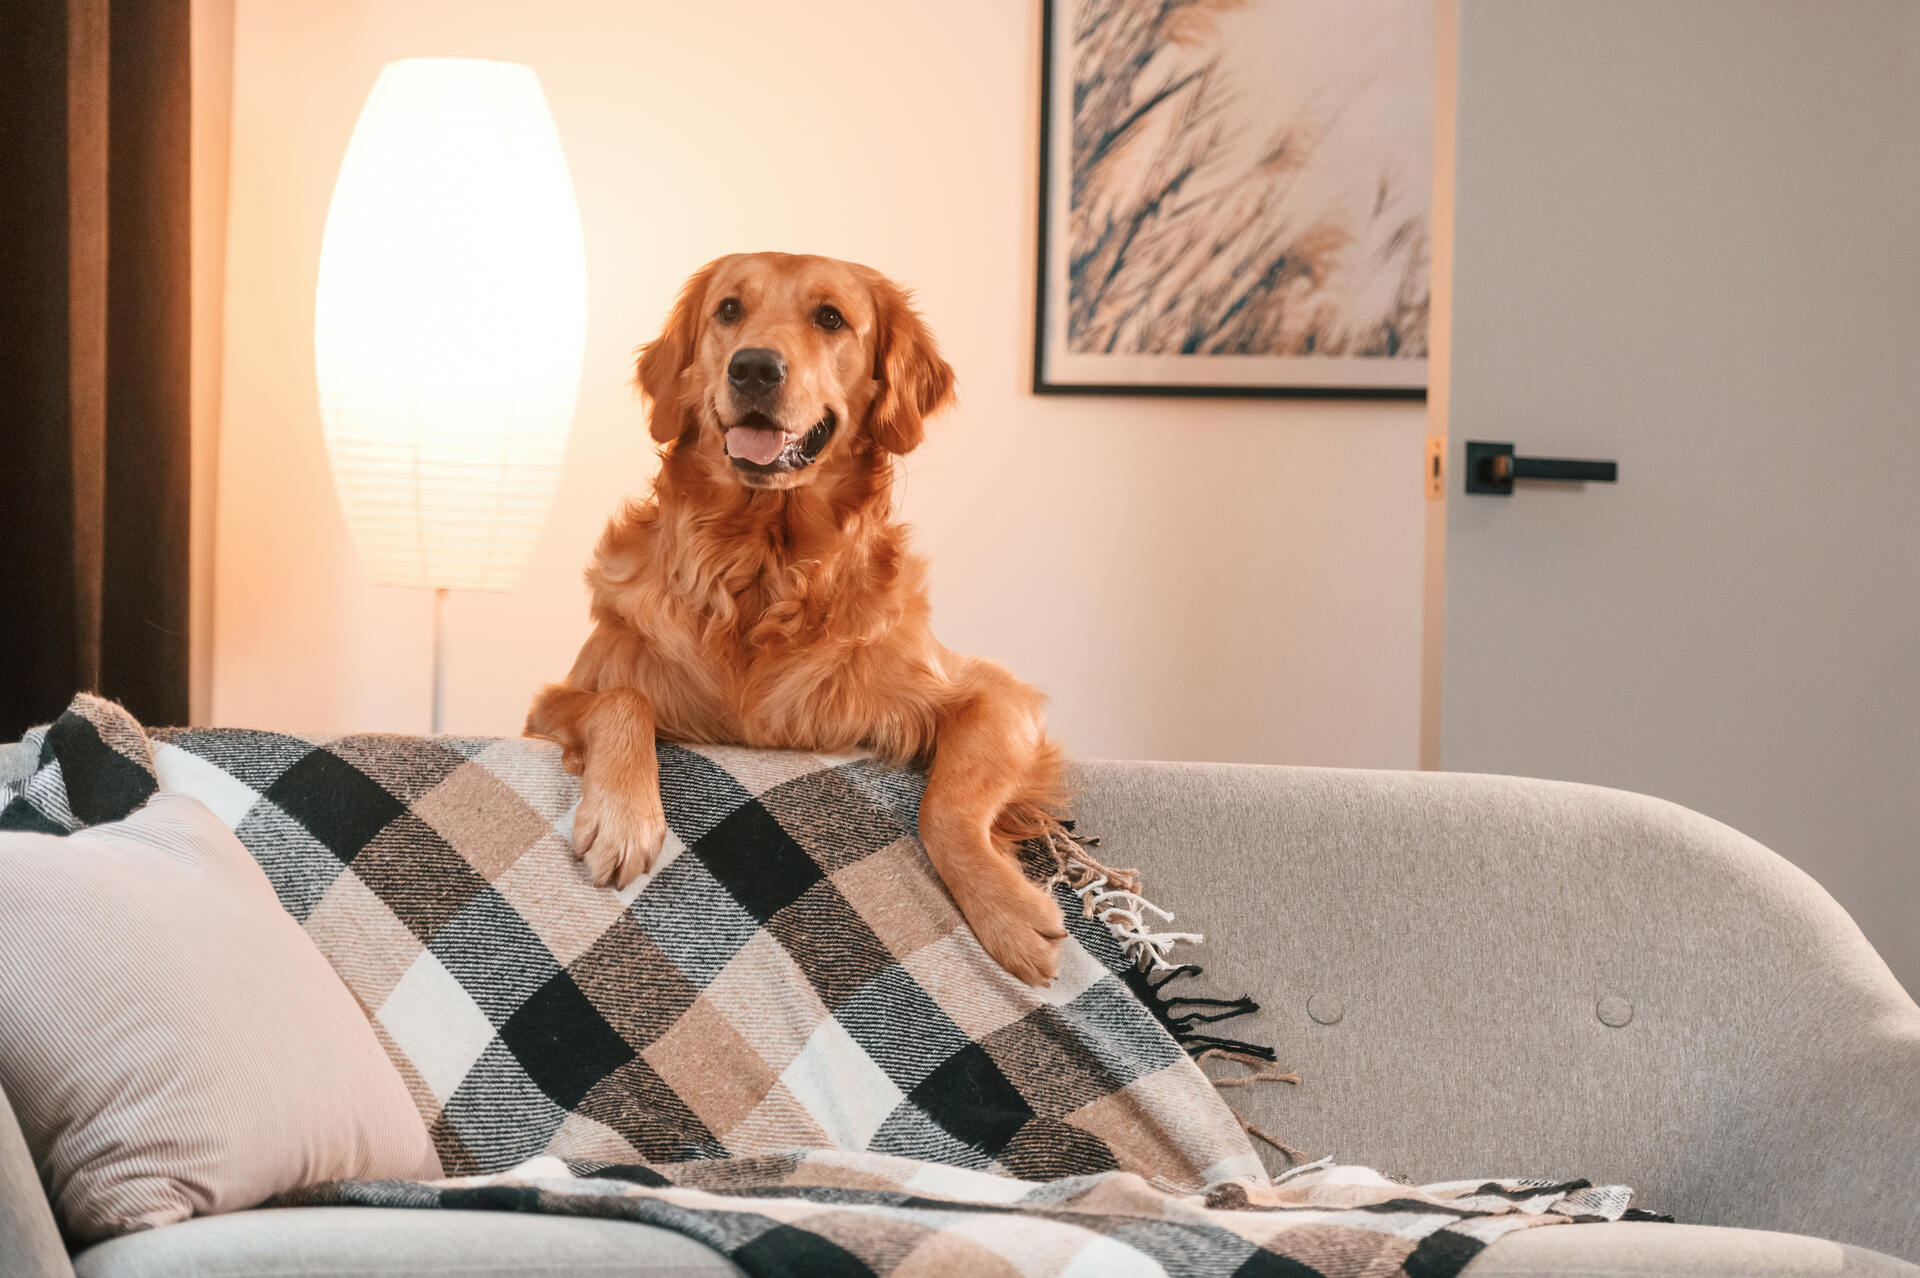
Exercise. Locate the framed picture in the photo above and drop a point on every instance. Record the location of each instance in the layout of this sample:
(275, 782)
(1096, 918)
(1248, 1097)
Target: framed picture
(1236, 197)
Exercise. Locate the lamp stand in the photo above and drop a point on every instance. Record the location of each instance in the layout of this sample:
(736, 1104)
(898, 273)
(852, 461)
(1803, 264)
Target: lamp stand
(439, 659)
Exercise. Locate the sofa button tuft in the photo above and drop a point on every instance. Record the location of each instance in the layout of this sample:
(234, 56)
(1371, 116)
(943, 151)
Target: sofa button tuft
(1326, 1009)
(1613, 1010)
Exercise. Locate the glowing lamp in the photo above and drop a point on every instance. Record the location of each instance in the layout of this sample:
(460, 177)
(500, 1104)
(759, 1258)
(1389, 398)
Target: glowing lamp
(449, 325)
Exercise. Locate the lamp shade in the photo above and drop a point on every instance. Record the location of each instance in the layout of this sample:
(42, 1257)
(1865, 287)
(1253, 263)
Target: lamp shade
(450, 322)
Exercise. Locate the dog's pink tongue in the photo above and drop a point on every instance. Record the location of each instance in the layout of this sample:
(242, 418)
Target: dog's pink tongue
(756, 444)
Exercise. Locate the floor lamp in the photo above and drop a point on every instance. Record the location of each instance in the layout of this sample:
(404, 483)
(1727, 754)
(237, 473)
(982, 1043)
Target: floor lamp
(449, 327)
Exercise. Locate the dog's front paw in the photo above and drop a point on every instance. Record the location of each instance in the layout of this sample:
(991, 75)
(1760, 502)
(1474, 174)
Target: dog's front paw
(1022, 930)
(618, 835)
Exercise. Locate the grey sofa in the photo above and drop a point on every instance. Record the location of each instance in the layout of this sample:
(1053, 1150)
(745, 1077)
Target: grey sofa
(1473, 975)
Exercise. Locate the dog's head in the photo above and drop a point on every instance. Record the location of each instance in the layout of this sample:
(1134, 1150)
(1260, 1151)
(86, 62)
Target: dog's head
(778, 369)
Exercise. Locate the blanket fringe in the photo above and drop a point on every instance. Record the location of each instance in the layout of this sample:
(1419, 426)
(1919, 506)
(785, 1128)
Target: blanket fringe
(1113, 897)
(1186, 1017)
(1295, 1157)
(1299, 1169)
(1252, 1062)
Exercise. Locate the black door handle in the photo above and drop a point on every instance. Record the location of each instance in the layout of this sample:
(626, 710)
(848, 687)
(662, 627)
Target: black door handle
(1492, 468)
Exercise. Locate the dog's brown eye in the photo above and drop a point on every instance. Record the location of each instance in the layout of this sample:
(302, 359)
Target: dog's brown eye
(828, 318)
(729, 311)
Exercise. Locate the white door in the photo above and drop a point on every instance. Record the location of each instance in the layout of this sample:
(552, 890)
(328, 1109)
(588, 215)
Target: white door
(1687, 239)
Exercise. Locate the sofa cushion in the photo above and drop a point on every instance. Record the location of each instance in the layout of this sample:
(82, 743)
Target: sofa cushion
(370, 1242)
(171, 1040)
(1628, 1249)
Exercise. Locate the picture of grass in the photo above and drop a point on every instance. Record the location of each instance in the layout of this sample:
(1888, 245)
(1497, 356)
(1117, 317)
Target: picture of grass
(1240, 193)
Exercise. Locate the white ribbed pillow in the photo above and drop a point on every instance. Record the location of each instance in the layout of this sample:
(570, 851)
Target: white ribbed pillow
(172, 1042)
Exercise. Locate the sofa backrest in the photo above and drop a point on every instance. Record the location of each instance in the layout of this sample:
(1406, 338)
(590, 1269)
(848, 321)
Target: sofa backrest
(1480, 975)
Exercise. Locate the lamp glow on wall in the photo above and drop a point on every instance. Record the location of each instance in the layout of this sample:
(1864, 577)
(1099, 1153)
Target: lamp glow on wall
(449, 327)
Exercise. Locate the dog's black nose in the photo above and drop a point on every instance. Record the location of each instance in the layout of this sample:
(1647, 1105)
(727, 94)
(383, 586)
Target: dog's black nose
(756, 370)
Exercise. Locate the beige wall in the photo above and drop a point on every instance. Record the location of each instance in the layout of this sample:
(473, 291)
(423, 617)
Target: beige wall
(212, 77)
(1220, 580)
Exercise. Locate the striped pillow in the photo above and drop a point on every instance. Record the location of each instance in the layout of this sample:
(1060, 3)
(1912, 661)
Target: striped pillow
(172, 1042)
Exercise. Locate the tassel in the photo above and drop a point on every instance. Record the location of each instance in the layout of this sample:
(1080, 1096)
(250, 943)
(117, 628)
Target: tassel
(1252, 1062)
(1293, 1156)
(1113, 897)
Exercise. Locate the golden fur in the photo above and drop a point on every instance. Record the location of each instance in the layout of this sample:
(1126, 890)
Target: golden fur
(785, 610)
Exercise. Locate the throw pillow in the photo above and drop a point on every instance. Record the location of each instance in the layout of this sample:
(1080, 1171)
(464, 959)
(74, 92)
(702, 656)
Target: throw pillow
(171, 1040)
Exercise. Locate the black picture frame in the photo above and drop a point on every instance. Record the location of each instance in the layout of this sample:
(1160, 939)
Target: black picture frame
(1042, 384)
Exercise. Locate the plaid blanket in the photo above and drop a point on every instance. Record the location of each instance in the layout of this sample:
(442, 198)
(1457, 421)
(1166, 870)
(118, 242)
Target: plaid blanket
(792, 977)
(808, 1215)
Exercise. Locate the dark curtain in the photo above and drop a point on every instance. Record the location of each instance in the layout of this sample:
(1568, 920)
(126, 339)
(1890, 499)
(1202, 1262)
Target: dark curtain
(94, 226)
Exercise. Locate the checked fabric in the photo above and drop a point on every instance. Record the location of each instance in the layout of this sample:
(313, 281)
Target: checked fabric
(791, 975)
(784, 1043)
(845, 1215)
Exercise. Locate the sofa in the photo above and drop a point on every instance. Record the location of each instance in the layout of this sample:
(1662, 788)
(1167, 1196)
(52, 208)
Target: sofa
(1470, 974)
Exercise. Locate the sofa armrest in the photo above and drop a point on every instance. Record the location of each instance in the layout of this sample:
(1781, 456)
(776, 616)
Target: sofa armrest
(30, 1245)
(1532, 978)
(1827, 1125)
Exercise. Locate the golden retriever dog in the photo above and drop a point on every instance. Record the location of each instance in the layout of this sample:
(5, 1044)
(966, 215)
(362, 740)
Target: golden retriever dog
(766, 596)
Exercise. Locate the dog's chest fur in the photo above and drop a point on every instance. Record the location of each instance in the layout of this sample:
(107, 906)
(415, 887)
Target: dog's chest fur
(758, 633)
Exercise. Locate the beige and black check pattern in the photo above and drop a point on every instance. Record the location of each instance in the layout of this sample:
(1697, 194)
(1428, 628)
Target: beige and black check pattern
(809, 1215)
(793, 974)
(784, 1042)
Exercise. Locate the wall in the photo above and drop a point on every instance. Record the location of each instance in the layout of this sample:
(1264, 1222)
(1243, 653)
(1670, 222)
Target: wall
(212, 123)
(1215, 580)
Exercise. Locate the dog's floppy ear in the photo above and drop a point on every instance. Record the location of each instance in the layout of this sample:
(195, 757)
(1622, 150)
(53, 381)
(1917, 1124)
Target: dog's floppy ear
(664, 361)
(915, 383)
